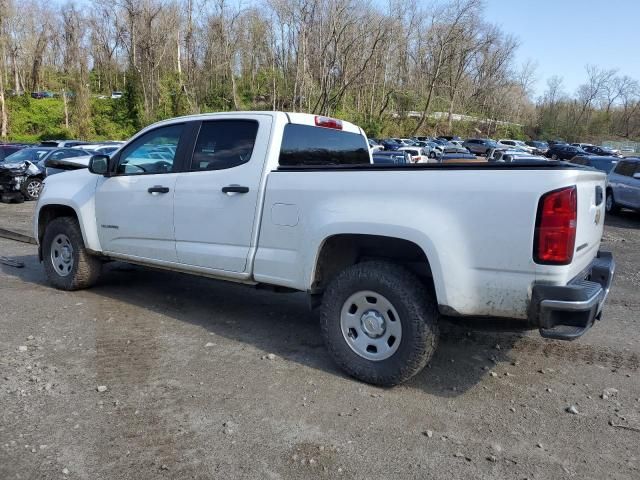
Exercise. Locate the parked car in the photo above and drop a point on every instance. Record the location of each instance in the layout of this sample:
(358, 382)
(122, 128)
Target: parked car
(604, 164)
(116, 95)
(582, 145)
(510, 155)
(7, 149)
(556, 142)
(602, 151)
(518, 157)
(418, 154)
(30, 165)
(391, 144)
(379, 250)
(539, 147)
(374, 146)
(398, 157)
(623, 187)
(62, 143)
(518, 144)
(41, 95)
(564, 152)
(479, 146)
(460, 158)
(449, 138)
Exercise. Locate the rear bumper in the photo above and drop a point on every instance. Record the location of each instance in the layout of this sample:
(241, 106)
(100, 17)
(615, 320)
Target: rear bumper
(567, 312)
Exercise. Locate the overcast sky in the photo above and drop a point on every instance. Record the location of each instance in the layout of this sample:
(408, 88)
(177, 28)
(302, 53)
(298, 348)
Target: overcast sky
(562, 36)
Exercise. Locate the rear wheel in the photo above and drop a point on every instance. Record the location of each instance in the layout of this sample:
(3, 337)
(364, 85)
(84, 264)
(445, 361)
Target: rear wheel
(67, 263)
(554, 157)
(379, 323)
(610, 203)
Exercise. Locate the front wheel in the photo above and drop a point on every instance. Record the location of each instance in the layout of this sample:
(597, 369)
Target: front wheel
(554, 157)
(379, 323)
(432, 154)
(67, 263)
(32, 188)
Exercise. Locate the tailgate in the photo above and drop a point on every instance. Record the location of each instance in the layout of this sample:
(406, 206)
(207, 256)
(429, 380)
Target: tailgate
(590, 225)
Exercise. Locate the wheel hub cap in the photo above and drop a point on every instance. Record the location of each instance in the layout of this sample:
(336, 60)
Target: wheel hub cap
(373, 323)
(62, 255)
(370, 325)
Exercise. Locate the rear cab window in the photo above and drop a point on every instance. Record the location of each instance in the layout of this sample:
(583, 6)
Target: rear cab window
(313, 145)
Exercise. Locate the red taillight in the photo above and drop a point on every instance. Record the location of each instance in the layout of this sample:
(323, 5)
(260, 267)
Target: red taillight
(328, 122)
(555, 236)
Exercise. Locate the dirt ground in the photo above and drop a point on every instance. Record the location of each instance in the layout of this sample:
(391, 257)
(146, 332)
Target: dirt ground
(192, 391)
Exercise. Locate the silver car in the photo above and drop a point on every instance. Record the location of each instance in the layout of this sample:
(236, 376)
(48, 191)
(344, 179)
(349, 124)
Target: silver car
(623, 188)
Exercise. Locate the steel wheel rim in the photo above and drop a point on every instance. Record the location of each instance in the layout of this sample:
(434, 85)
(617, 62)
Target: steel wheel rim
(371, 325)
(62, 255)
(33, 189)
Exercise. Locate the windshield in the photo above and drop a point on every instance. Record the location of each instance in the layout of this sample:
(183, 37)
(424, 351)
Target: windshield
(31, 154)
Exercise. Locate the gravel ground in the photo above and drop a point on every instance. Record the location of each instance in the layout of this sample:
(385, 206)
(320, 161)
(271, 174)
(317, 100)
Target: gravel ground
(159, 375)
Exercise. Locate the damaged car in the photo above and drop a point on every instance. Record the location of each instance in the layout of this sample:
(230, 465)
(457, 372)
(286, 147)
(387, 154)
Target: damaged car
(22, 173)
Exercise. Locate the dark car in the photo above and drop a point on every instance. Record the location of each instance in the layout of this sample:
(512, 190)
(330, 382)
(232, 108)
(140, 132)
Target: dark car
(8, 149)
(604, 164)
(391, 144)
(448, 138)
(556, 142)
(601, 151)
(399, 157)
(31, 162)
(540, 147)
(564, 152)
(480, 146)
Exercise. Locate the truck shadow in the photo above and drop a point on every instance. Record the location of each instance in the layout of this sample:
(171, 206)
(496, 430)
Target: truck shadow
(282, 323)
(624, 219)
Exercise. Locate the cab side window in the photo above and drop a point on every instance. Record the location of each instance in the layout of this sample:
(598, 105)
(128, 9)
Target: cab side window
(224, 144)
(152, 153)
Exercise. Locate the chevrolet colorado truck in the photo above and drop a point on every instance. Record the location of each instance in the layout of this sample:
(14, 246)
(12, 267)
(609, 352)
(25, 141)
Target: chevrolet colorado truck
(293, 202)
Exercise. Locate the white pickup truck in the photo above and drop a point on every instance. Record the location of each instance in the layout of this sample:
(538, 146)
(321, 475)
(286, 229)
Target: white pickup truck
(292, 201)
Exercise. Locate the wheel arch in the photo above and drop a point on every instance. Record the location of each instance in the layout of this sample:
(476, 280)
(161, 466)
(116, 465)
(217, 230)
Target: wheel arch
(338, 251)
(49, 212)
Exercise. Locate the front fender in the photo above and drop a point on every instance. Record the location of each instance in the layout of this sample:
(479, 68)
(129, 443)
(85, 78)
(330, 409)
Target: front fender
(74, 190)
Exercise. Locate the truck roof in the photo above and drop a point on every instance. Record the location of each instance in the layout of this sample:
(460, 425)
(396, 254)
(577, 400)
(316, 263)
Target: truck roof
(291, 117)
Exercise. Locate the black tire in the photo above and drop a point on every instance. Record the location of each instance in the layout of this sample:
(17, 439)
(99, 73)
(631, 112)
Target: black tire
(85, 269)
(432, 155)
(610, 204)
(415, 306)
(31, 188)
(554, 157)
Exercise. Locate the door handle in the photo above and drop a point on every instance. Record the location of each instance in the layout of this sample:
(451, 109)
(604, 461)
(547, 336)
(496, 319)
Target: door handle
(158, 189)
(235, 189)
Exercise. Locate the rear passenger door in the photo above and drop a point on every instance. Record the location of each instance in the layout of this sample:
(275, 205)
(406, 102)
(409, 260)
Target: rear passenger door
(217, 197)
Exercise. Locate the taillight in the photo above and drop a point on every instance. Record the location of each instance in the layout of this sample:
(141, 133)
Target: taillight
(555, 236)
(328, 122)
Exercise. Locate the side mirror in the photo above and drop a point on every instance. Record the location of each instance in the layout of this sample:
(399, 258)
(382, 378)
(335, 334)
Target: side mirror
(99, 164)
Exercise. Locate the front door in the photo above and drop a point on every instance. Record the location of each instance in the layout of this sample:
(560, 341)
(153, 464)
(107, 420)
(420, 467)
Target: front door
(216, 199)
(134, 207)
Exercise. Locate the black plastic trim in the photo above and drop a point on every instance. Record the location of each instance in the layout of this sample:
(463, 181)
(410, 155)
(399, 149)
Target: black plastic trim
(533, 165)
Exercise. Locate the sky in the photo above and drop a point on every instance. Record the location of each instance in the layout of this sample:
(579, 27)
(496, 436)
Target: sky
(562, 36)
